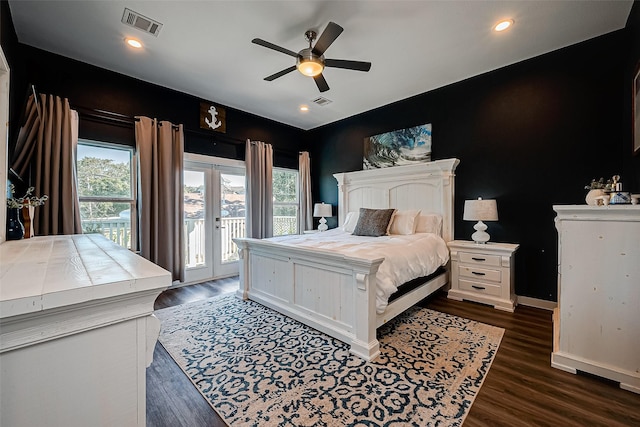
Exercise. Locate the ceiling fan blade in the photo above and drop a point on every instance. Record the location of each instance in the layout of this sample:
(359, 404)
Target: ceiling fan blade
(274, 47)
(321, 83)
(349, 65)
(328, 36)
(280, 73)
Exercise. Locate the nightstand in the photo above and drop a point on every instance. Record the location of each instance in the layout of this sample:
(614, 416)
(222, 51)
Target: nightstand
(311, 231)
(483, 273)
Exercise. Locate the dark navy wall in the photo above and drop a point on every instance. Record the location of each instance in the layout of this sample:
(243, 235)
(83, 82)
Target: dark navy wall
(530, 135)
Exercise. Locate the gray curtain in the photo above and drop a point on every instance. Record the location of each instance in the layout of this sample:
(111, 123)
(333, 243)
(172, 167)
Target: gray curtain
(47, 143)
(259, 165)
(160, 148)
(304, 176)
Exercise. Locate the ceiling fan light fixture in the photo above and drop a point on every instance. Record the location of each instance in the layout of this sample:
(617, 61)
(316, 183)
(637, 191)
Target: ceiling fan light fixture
(310, 68)
(308, 63)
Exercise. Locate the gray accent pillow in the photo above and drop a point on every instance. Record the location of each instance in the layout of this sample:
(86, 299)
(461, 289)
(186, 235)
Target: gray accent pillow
(373, 222)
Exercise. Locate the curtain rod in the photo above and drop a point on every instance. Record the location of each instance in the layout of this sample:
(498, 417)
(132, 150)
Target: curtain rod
(119, 119)
(125, 120)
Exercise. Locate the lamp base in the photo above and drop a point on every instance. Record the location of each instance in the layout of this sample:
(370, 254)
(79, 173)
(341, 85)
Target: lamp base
(323, 225)
(480, 236)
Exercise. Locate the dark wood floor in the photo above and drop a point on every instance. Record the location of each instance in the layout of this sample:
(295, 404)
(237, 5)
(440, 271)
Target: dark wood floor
(521, 389)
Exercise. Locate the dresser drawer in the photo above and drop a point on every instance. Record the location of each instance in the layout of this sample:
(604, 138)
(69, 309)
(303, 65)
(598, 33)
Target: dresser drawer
(476, 258)
(478, 273)
(480, 288)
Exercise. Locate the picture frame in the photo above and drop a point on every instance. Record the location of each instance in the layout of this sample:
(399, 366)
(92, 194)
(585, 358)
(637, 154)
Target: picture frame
(636, 111)
(398, 147)
(213, 117)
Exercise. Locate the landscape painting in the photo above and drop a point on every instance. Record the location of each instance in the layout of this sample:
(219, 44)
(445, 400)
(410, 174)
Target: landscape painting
(397, 148)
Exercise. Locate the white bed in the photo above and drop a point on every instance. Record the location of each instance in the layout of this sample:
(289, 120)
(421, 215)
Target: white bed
(336, 292)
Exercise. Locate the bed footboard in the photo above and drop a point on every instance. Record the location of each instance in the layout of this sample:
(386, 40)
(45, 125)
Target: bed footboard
(330, 292)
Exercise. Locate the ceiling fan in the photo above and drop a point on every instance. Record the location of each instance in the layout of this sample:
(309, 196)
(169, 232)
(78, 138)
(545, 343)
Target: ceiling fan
(311, 61)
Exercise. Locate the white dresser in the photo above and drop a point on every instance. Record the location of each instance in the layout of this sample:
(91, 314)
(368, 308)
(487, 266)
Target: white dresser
(597, 322)
(483, 273)
(76, 331)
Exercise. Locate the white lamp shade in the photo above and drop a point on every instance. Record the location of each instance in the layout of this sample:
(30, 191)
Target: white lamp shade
(322, 210)
(480, 210)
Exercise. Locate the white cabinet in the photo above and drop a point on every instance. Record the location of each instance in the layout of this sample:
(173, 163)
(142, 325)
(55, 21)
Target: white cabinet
(483, 273)
(597, 321)
(76, 331)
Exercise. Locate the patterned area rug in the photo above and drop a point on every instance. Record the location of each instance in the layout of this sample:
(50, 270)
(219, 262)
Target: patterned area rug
(257, 367)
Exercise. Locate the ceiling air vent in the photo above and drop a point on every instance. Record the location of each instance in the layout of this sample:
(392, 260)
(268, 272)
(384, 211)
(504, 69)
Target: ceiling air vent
(135, 20)
(322, 101)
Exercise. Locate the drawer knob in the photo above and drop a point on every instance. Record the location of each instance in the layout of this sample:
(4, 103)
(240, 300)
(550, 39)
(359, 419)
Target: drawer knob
(482, 288)
(478, 259)
(477, 273)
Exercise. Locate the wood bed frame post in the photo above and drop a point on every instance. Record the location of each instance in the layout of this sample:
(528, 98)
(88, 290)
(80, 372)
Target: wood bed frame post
(365, 342)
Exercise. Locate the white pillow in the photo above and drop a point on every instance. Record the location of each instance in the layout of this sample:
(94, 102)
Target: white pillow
(430, 223)
(350, 222)
(404, 222)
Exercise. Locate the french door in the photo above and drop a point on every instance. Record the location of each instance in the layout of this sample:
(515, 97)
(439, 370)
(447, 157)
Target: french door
(214, 214)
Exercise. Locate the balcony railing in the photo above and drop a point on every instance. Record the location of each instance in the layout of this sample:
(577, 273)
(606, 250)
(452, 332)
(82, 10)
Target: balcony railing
(119, 231)
(116, 229)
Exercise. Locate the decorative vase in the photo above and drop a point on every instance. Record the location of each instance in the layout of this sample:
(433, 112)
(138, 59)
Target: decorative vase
(15, 230)
(27, 220)
(592, 197)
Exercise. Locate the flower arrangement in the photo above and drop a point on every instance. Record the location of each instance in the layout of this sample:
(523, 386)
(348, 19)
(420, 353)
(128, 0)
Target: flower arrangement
(600, 185)
(25, 201)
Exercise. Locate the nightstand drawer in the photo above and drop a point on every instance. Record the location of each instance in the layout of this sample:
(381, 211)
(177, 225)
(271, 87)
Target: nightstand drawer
(480, 273)
(476, 258)
(481, 288)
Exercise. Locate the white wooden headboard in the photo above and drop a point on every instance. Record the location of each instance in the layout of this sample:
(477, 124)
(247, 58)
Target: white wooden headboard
(425, 186)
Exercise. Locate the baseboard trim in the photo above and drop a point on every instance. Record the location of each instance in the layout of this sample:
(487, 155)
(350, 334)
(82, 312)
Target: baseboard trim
(537, 303)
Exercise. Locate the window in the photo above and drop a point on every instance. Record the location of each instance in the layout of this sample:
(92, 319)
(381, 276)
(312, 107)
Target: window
(285, 201)
(107, 191)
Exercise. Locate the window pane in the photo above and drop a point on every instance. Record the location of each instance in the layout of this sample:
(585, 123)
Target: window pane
(113, 220)
(285, 220)
(232, 213)
(285, 202)
(103, 172)
(194, 210)
(285, 186)
(285, 210)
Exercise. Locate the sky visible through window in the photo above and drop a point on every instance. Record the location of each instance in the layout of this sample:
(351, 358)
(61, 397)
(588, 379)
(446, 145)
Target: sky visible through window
(118, 156)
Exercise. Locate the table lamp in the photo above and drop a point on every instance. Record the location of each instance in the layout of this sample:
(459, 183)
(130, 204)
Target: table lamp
(322, 210)
(480, 210)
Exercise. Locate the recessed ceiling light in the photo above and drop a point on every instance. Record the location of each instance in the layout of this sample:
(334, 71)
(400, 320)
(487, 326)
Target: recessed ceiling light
(304, 108)
(133, 43)
(503, 25)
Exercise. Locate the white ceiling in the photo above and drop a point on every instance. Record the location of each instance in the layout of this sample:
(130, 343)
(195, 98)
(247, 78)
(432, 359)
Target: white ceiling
(204, 47)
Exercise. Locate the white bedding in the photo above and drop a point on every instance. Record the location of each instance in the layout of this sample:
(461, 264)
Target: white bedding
(406, 257)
